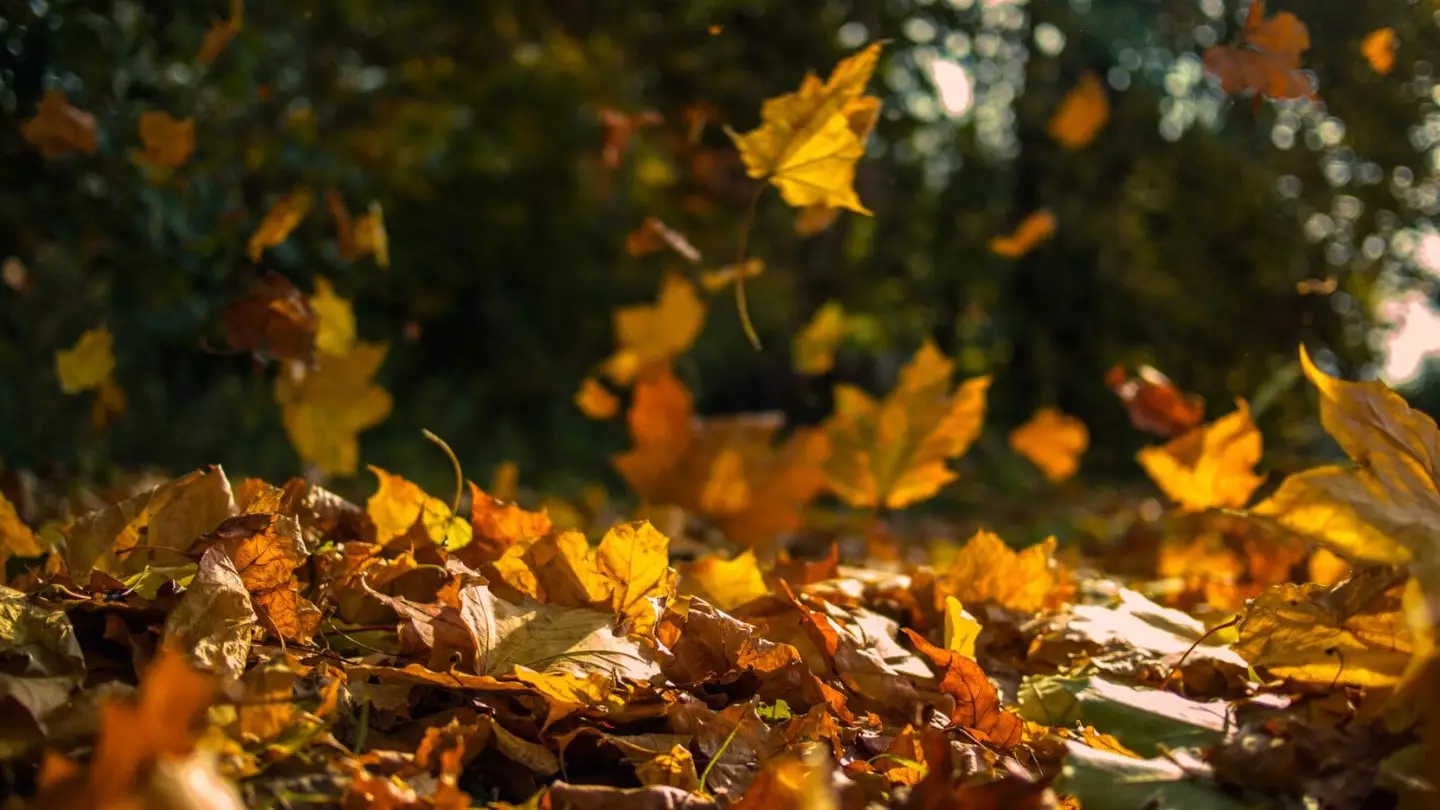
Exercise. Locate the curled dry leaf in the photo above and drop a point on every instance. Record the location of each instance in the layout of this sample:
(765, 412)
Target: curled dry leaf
(1053, 441)
(891, 454)
(977, 704)
(809, 141)
(1155, 404)
(1035, 228)
(214, 620)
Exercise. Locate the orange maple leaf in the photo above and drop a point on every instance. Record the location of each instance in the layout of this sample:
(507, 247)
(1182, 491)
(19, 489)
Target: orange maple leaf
(1265, 56)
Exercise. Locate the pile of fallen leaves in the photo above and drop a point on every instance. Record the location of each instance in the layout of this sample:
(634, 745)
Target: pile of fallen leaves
(213, 643)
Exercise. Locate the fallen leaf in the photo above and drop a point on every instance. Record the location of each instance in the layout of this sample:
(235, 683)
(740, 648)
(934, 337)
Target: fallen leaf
(168, 141)
(717, 280)
(654, 334)
(893, 453)
(1053, 441)
(977, 704)
(399, 504)
(166, 520)
(1210, 467)
(961, 629)
(565, 796)
(1379, 49)
(1155, 404)
(1081, 114)
(59, 128)
(279, 221)
(327, 407)
(809, 141)
(814, 348)
(728, 583)
(653, 236)
(88, 364)
(595, 400)
(497, 525)
(1265, 56)
(214, 622)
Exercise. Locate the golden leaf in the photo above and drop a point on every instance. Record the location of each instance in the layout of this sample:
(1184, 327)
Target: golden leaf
(809, 141)
(1210, 467)
(371, 236)
(814, 348)
(728, 584)
(398, 504)
(279, 221)
(636, 561)
(1052, 440)
(675, 767)
(893, 453)
(1379, 49)
(16, 539)
(648, 334)
(326, 408)
(595, 401)
(220, 33)
(168, 141)
(1032, 230)
(961, 629)
(987, 570)
(336, 332)
(1082, 113)
(59, 128)
(88, 364)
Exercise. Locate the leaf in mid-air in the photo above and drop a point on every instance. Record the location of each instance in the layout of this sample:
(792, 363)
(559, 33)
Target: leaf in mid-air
(648, 334)
(1209, 467)
(1155, 404)
(1379, 49)
(274, 319)
(1081, 114)
(1265, 56)
(814, 347)
(809, 141)
(335, 334)
(88, 364)
(168, 141)
(1032, 230)
(653, 236)
(892, 453)
(325, 408)
(595, 400)
(279, 221)
(59, 128)
(1053, 441)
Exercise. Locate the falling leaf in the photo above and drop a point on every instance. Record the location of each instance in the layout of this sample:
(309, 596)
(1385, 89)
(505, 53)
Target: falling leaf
(1211, 466)
(220, 33)
(59, 129)
(729, 583)
(335, 334)
(1265, 56)
(1379, 49)
(279, 221)
(717, 280)
(1032, 230)
(815, 219)
(619, 128)
(1053, 441)
(650, 334)
(168, 141)
(399, 504)
(653, 236)
(327, 407)
(814, 350)
(809, 141)
(595, 400)
(273, 319)
(371, 236)
(88, 364)
(1081, 114)
(1155, 404)
(893, 453)
(987, 570)
(977, 704)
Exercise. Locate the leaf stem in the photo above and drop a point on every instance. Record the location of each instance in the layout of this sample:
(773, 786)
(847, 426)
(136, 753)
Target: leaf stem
(718, 754)
(454, 462)
(742, 247)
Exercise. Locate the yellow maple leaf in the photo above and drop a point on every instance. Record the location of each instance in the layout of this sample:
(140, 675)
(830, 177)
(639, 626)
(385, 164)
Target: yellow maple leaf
(815, 345)
(985, 569)
(1211, 466)
(326, 407)
(728, 584)
(809, 141)
(279, 221)
(961, 629)
(1379, 49)
(398, 504)
(653, 333)
(89, 364)
(1081, 114)
(1032, 230)
(168, 141)
(595, 401)
(893, 453)
(336, 332)
(1054, 441)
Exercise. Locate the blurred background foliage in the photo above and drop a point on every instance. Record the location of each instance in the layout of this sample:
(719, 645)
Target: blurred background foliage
(1183, 229)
